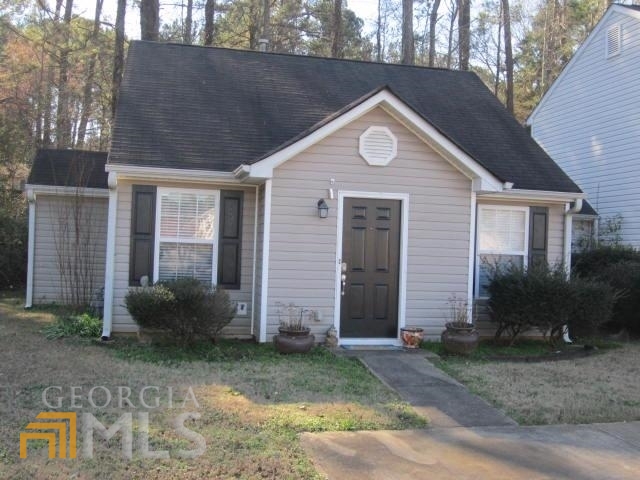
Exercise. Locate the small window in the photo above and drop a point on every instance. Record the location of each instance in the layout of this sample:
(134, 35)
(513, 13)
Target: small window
(502, 241)
(614, 41)
(186, 225)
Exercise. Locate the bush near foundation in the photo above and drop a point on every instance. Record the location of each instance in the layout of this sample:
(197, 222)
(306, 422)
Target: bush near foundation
(185, 307)
(543, 298)
(619, 266)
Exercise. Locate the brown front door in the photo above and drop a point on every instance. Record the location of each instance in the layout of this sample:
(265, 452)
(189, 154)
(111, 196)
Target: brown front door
(371, 257)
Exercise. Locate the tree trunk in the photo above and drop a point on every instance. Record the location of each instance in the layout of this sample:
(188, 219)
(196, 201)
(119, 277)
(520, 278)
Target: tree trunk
(408, 47)
(433, 21)
(118, 57)
(496, 81)
(63, 114)
(266, 20)
(379, 33)
(188, 24)
(508, 53)
(149, 20)
(464, 33)
(87, 94)
(452, 22)
(336, 27)
(209, 13)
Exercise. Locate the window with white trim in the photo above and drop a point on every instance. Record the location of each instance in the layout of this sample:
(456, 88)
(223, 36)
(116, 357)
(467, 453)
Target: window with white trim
(186, 233)
(503, 239)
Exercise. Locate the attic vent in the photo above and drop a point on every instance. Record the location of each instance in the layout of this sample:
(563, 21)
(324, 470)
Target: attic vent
(378, 146)
(614, 41)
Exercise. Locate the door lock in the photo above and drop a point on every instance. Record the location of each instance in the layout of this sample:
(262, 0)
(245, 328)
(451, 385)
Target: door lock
(343, 277)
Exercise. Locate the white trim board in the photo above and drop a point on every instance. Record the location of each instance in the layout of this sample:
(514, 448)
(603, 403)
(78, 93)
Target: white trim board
(402, 273)
(67, 191)
(31, 248)
(266, 234)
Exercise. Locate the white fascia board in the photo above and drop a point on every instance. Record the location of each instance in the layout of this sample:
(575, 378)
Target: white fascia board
(66, 191)
(533, 195)
(401, 112)
(585, 45)
(137, 172)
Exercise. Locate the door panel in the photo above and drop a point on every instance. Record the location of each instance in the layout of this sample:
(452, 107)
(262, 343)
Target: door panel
(371, 251)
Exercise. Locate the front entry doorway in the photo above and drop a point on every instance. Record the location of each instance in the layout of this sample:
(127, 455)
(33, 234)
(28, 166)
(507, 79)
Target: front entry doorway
(370, 268)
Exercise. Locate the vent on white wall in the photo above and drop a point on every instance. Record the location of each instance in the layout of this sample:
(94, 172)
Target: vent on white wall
(378, 146)
(614, 41)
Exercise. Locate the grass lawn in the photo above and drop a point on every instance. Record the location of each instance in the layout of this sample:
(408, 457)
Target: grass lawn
(252, 403)
(599, 388)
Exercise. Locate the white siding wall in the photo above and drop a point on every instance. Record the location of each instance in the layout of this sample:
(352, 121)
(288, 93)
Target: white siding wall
(302, 261)
(50, 211)
(590, 124)
(122, 321)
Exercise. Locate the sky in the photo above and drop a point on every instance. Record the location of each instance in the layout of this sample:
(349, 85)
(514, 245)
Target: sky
(365, 9)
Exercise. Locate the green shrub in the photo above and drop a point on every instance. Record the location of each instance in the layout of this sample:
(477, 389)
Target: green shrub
(590, 263)
(185, 307)
(593, 304)
(84, 325)
(619, 267)
(543, 297)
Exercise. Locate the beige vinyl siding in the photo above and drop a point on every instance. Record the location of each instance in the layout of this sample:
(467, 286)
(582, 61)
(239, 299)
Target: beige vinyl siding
(122, 321)
(302, 263)
(50, 210)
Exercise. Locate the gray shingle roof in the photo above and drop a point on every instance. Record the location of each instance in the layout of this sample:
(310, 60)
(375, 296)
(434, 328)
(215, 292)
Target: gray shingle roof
(212, 108)
(69, 168)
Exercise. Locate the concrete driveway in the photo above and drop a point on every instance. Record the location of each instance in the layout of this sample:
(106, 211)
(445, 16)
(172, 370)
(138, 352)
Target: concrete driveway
(598, 452)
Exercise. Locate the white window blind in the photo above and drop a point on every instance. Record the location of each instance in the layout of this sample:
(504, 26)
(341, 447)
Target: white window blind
(186, 236)
(502, 241)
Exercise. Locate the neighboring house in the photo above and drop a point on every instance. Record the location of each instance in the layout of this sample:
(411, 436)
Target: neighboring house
(66, 188)
(589, 119)
(221, 160)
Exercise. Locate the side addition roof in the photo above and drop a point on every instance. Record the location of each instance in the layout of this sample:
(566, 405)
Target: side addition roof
(215, 109)
(69, 168)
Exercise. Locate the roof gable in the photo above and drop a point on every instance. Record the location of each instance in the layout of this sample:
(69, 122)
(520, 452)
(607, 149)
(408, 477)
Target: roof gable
(629, 10)
(215, 109)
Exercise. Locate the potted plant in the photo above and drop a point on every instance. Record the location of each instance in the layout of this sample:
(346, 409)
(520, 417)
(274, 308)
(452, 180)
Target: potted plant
(411, 336)
(294, 336)
(460, 336)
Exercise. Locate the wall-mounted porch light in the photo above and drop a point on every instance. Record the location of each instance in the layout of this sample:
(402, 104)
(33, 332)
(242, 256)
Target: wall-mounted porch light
(323, 208)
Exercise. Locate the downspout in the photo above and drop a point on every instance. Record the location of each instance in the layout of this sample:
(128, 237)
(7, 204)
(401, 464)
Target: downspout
(472, 256)
(112, 182)
(31, 247)
(568, 227)
(255, 252)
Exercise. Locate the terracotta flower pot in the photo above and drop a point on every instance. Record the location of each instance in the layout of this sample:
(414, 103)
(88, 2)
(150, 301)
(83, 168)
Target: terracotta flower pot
(460, 339)
(293, 341)
(411, 336)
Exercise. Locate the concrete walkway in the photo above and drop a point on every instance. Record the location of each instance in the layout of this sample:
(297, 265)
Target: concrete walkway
(431, 392)
(469, 439)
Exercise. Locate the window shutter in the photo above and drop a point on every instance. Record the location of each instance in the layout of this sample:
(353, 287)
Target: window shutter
(143, 215)
(230, 239)
(538, 235)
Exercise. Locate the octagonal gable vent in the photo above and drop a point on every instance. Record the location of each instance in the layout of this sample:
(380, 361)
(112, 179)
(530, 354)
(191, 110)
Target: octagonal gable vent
(378, 146)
